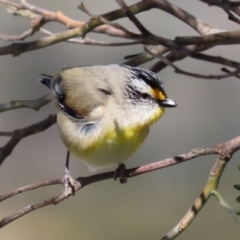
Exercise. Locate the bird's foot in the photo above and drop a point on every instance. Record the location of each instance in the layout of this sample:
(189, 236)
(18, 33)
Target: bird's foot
(68, 183)
(120, 173)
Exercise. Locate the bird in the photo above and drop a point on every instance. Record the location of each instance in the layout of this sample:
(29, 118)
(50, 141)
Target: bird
(105, 111)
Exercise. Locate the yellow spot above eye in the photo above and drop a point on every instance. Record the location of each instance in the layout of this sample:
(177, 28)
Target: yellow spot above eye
(158, 94)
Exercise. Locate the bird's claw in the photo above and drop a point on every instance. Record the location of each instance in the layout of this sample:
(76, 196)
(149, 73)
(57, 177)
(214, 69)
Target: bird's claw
(120, 173)
(68, 183)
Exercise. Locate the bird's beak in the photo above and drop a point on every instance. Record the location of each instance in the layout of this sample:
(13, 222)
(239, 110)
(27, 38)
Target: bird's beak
(169, 103)
(46, 81)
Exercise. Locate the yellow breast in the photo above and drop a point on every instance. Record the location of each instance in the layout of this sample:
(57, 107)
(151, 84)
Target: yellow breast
(114, 148)
(100, 149)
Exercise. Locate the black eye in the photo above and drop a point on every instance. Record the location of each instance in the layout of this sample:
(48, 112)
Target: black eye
(145, 96)
(66, 109)
(61, 101)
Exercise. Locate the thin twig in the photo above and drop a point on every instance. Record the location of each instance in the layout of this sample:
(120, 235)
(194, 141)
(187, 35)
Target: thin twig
(6, 134)
(129, 14)
(153, 39)
(28, 188)
(48, 16)
(87, 41)
(84, 181)
(216, 38)
(197, 24)
(33, 104)
(128, 33)
(192, 21)
(17, 37)
(223, 203)
(187, 73)
(225, 151)
(18, 135)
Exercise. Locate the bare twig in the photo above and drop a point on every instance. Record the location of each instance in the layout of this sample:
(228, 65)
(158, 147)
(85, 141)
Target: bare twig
(6, 134)
(187, 73)
(216, 39)
(18, 135)
(28, 188)
(198, 25)
(222, 4)
(33, 104)
(81, 30)
(228, 71)
(228, 7)
(17, 37)
(224, 150)
(223, 203)
(48, 16)
(153, 39)
(18, 48)
(145, 57)
(84, 181)
(129, 14)
(87, 41)
(128, 33)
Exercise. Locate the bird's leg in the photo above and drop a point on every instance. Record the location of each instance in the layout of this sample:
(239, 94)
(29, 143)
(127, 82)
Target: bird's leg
(120, 173)
(68, 181)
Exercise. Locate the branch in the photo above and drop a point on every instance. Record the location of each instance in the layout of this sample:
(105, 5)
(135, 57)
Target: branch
(228, 7)
(84, 181)
(17, 37)
(195, 23)
(226, 206)
(187, 73)
(128, 33)
(82, 30)
(43, 16)
(28, 188)
(146, 57)
(153, 39)
(33, 104)
(18, 135)
(17, 48)
(198, 25)
(227, 37)
(224, 150)
(87, 41)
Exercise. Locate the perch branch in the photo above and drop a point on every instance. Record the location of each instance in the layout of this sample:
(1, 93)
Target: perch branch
(224, 150)
(84, 181)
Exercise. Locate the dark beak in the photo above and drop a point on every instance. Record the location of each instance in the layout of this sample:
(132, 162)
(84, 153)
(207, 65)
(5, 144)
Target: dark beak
(169, 103)
(46, 81)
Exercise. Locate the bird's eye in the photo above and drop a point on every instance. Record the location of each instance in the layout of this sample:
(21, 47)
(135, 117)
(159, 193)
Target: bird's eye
(61, 102)
(66, 109)
(145, 96)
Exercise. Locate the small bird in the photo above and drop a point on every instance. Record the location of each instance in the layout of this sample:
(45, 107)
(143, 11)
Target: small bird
(105, 112)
